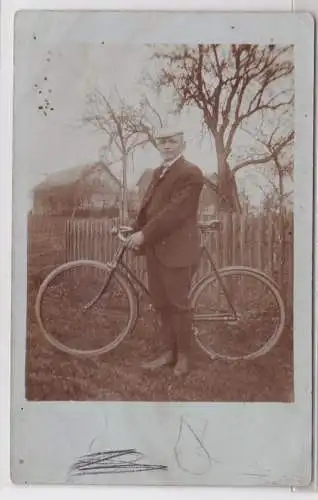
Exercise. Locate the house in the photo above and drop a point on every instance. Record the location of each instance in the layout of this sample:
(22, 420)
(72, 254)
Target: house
(208, 200)
(90, 189)
(133, 202)
(216, 196)
(143, 182)
(208, 204)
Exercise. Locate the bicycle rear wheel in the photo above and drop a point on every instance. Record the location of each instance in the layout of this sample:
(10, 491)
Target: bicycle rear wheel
(86, 308)
(248, 329)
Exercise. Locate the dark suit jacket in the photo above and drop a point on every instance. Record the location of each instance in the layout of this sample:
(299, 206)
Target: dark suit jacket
(168, 215)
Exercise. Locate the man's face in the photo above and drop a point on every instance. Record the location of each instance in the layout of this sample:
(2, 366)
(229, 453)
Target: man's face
(170, 147)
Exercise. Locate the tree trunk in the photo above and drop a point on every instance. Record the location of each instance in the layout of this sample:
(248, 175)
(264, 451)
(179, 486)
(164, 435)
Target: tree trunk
(123, 201)
(228, 199)
(282, 245)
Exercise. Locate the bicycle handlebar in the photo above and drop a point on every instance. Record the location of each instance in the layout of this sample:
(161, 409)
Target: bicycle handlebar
(119, 232)
(212, 224)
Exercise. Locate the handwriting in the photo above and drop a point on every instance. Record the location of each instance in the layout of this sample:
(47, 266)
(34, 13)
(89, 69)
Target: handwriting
(190, 453)
(112, 462)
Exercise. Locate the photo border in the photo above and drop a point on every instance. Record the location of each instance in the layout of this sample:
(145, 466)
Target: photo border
(274, 413)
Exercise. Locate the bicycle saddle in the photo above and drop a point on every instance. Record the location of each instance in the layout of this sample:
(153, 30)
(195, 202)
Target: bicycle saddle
(121, 229)
(209, 225)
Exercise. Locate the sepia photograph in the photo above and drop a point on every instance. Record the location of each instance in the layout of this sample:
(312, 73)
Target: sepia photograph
(162, 202)
(160, 218)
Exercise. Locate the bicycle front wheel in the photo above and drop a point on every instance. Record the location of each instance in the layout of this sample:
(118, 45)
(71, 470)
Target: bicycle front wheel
(238, 316)
(85, 308)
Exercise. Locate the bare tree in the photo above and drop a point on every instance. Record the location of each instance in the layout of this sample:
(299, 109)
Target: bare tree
(279, 162)
(278, 147)
(231, 86)
(126, 127)
(103, 115)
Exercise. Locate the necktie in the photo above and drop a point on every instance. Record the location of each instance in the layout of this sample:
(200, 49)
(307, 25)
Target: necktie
(163, 170)
(160, 173)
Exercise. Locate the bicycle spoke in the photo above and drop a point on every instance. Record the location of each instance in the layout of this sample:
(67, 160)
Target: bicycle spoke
(253, 328)
(75, 314)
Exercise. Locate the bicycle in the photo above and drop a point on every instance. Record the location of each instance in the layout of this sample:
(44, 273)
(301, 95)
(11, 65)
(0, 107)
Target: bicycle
(222, 326)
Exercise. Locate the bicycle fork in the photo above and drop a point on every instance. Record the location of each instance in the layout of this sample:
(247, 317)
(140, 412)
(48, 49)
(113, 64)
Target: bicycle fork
(233, 317)
(112, 268)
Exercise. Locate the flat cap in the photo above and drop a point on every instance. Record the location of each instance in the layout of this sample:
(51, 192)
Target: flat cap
(163, 133)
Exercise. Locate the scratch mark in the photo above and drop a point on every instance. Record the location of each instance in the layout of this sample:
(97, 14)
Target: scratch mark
(112, 462)
(190, 453)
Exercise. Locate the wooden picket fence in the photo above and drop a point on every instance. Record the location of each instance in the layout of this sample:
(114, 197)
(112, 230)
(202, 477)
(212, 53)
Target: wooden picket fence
(248, 240)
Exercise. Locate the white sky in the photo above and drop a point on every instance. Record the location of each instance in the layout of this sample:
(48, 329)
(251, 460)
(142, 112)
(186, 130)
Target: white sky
(44, 145)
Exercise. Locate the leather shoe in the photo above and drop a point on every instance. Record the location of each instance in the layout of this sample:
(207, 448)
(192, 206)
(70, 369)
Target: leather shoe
(165, 359)
(182, 366)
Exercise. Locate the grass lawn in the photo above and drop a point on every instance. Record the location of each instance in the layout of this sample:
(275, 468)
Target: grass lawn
(117, 376)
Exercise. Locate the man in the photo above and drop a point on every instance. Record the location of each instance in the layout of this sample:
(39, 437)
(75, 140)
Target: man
(167, 233)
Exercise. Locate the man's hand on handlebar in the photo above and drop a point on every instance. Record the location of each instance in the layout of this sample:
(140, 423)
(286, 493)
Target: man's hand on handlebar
(135, 240)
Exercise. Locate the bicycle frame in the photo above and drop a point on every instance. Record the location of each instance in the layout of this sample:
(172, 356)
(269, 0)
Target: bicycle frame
(132, 277)
(113, 266)
(215, 316)
(117, 262)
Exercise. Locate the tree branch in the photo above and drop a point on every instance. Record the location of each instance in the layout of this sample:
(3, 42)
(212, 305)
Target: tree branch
(265, 158)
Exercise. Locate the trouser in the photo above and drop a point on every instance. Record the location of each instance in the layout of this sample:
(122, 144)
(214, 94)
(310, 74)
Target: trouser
(169, 288)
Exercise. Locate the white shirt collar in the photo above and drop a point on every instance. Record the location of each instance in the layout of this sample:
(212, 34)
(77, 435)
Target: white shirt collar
(171, 162)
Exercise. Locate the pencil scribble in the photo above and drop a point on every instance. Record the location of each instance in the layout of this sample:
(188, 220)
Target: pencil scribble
(190, 453)
(96, 462)
(112, 462)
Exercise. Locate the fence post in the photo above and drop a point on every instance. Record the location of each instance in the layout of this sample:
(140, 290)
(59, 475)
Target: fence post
(242, 220)
(289, 290)
(226, 240)
(241, 241)
(67, 239)
(234, 238)
(270, 246)
(260, 241)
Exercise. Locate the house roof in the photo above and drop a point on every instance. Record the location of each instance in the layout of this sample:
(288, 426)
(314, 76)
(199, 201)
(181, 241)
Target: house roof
(211, 181)
(145, 177)
(74, 174)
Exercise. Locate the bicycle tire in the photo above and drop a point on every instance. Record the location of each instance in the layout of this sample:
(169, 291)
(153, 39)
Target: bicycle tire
(122, 281)
(265, 280)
